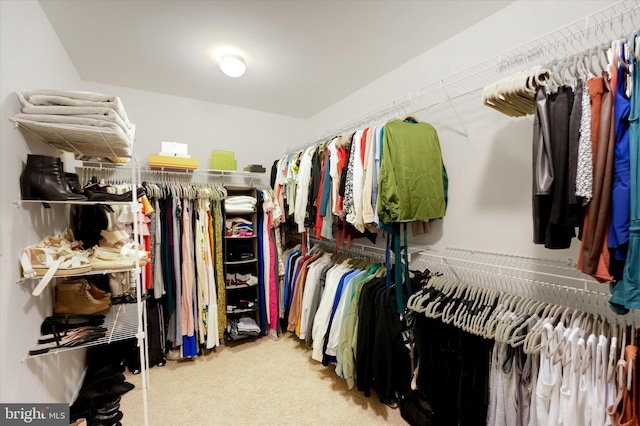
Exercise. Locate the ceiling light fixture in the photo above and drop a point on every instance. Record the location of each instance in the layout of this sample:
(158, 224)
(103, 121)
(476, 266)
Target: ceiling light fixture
(232, 65)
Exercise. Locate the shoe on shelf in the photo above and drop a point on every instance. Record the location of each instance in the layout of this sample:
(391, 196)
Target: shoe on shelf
(52, 337)
(74, 298)
(105, 258)
(117, 238)
(64, 323)
(117, 283)
(98, 294)
(49, 260)
(129, 250)
(37, 261)
(73, 183)
(72, 340)
(43, 178)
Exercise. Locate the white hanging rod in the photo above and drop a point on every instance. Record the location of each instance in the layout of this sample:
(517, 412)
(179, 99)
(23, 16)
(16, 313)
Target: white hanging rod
(535, 269)
(111, 167)
(356, 250)
(605, 25)
(544, 291)
(126, 167)
(501, 280)
(362, 249)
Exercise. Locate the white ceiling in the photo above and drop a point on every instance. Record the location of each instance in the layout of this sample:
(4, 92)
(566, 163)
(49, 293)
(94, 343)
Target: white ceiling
(302, 56)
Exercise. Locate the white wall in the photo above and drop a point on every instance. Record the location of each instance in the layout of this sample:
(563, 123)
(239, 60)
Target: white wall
(31, 56)
(490, 173)
(256, 137)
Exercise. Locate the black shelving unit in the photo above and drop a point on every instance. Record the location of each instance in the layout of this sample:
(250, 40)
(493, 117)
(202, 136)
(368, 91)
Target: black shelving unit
(237, 295)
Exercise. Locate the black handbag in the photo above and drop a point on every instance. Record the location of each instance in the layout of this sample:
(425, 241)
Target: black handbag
(415, 410)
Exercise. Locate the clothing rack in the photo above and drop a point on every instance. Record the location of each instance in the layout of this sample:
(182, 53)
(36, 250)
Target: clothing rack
(123, 174)
(540, 279)
(535, 269)
(615, 21)
(356, 249)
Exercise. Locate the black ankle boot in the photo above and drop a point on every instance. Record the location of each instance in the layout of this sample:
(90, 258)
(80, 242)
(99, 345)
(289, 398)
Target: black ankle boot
(73, 182)
(43, 179)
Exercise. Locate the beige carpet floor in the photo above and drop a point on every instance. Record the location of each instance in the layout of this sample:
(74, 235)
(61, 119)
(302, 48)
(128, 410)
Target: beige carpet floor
(261, 382)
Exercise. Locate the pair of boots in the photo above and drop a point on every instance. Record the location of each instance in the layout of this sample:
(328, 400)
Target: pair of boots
(80, 298)
(44, 179)
(99, 398)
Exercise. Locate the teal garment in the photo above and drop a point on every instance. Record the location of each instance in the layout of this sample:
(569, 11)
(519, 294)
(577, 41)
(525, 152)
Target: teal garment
(626, 292)
(411, 181)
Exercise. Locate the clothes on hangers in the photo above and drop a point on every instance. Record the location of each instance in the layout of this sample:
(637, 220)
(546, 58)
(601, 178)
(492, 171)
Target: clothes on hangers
(341, 307)
(583, 149)
(626, 292)
(539, 364)
(339, 188)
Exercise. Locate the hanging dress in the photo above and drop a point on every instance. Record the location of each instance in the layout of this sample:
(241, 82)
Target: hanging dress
(627, 291)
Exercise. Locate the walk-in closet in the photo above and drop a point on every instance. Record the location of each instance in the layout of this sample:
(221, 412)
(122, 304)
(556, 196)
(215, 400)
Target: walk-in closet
(320, 212)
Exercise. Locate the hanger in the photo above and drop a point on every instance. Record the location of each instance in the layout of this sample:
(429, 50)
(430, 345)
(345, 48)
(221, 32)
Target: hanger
(635, 50)
(463, 308)
(495, 319)
(448, 311)
(487, 302)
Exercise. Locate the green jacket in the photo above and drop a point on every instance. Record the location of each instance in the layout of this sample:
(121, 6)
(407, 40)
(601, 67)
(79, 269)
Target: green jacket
(411, 174)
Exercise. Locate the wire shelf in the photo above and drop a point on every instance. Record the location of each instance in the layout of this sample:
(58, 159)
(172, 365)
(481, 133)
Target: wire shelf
(85, 142)
(121, 323)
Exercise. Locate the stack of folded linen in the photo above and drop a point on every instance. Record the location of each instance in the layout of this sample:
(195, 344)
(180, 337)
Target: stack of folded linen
(239, 204)
(242, 328)
(82, 111)
(239, 227)
(248, 325)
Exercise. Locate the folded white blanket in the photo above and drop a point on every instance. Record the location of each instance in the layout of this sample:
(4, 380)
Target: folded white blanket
(72, 119)
(106, 114)
(248, 324)
(49, 100)
(240, 199)
(240, 209)
(85, 96)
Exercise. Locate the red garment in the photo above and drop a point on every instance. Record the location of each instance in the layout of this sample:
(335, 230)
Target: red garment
(319, 218)
(363, 144)
(273, 295)
(148, 284)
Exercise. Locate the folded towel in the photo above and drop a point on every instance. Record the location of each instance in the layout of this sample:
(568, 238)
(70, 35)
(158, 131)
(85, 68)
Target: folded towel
(239, 209)
(106, 114)
(85, 96)
(46, 100)
(240, 199)
(246, 324)
(71, 119)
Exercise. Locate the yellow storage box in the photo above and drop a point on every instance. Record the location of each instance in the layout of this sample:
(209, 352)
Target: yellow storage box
(166, 162)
